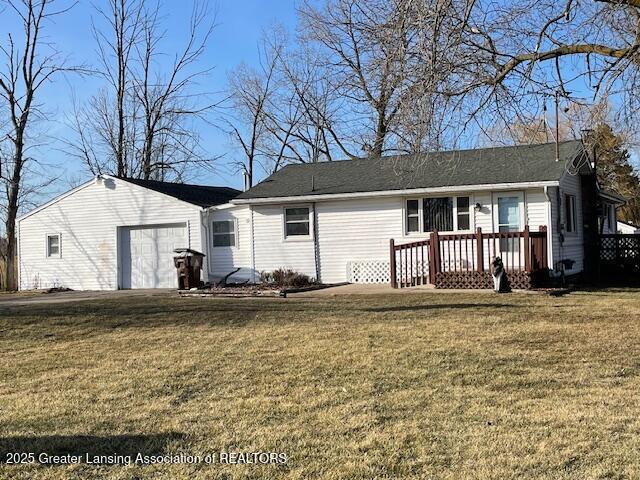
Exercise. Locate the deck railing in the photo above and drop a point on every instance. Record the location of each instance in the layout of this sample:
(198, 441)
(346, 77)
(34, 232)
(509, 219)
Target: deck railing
(418, 262)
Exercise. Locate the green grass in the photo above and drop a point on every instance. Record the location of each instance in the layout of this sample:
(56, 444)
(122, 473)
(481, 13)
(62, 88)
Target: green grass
(402, 386)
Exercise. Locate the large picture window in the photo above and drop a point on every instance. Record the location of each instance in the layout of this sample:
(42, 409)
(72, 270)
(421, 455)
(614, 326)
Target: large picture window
(296, 221)
(445, 214)
(224, 234)
(437, 214)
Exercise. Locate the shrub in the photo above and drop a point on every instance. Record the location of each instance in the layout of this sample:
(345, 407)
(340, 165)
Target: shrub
(286, 278)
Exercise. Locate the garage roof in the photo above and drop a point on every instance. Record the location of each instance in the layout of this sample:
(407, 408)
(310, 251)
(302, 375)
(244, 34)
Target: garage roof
(201, 195)
(495, 165)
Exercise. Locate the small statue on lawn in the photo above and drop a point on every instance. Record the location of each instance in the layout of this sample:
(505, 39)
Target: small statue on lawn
(499, 276)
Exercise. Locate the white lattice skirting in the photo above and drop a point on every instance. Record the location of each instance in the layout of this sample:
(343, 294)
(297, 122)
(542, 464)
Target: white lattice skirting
(369, 271)
(378, 271)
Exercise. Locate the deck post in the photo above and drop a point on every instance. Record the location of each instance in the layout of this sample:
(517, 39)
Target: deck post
(392, 263)
(545, 260)
(432, 260)
(479, 252)
(527, 250)
(434, 268)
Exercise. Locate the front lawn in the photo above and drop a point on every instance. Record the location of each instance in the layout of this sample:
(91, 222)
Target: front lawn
(445, 386)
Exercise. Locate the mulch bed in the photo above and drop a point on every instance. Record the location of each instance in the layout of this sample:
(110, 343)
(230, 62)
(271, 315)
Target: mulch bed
(251, 290)
(234, 290)
(554, 292)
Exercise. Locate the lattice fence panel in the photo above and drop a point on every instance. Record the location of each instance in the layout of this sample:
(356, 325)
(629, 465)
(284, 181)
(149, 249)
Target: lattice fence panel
(369, 271)
(620, 252)
(517, 280)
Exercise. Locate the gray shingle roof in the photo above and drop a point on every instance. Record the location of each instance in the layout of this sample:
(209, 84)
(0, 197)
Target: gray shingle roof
(201, 195)
(516, 164)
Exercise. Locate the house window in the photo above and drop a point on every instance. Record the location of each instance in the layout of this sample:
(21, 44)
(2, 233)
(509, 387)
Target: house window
(445, 214)
(509, 221)
(53, 245)
(296, 221)
(570, 213)
(224, 233)
(437, 214)
(413, 216)
(463, 216)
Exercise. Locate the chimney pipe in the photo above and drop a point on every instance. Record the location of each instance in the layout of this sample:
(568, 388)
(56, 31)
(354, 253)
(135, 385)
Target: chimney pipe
(245, 176)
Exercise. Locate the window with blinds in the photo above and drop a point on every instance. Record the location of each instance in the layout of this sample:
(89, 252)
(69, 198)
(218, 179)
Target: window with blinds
(437, 214)
(445, 214)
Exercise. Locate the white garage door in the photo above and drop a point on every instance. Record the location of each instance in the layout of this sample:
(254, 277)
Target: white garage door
(147, 255)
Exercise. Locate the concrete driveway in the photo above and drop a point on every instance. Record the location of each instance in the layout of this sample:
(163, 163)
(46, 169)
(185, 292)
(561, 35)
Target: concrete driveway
(35, 298)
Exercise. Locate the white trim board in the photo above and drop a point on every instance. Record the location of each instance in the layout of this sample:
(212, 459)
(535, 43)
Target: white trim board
(91, 182)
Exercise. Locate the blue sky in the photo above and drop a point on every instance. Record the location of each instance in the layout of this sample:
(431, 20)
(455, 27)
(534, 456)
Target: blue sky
(235, 40)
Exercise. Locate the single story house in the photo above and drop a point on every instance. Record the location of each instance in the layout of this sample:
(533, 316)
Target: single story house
(332, 221)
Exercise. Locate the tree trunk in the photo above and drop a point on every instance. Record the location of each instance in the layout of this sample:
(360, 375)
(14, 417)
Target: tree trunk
(10, 281)
(147, 152)
(381, 133)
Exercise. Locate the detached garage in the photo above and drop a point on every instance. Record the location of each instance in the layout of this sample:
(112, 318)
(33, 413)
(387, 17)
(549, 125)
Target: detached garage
(112, 233)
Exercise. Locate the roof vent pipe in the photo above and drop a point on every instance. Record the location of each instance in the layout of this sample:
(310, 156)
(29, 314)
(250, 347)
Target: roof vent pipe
(245, 176)
(313, 183)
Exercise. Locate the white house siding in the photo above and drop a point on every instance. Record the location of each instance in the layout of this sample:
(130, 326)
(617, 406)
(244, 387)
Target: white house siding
(537, 209)
(222, 260)
(356, 230)
(87, 221)
(572, 247)
(272, 250)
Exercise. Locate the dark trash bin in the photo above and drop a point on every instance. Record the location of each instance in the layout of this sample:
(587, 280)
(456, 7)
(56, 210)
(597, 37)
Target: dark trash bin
(188, 265)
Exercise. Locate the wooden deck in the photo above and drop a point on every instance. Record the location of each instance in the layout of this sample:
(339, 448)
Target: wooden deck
(464, 260)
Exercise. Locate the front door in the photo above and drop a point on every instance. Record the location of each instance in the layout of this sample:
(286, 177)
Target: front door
(508, 217)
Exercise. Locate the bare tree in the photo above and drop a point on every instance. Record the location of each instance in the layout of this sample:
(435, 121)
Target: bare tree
(168, 100)
(250, 92)
(309, 111)
(508, 59)
(30, 64)
(386, 61)
(367, 49)
(124, 20)
(143, 122)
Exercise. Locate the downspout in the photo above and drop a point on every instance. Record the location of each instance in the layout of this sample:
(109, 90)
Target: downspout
(205, 225)
(550, 230)
(19, 257)
(316, 246)
(253, 249)
(560, 234)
